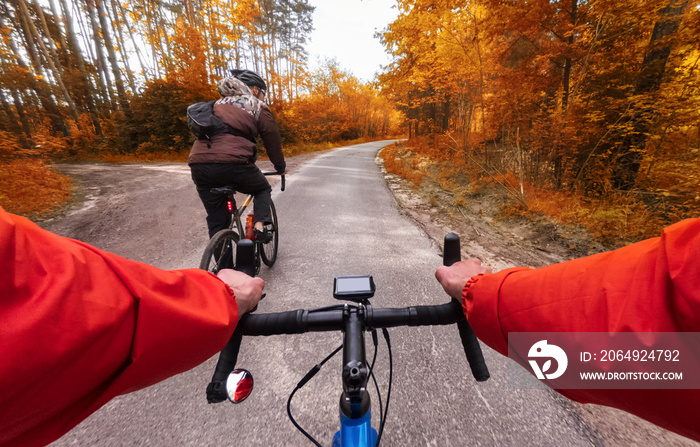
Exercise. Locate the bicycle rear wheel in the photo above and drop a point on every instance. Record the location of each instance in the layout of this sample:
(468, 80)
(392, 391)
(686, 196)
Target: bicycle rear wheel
(220, 252)
(268, 251)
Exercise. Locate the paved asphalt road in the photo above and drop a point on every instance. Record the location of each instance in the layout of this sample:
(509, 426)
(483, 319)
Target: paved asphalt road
(337, 217)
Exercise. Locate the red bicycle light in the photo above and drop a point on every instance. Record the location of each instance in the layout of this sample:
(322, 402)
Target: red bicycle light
(229, 205)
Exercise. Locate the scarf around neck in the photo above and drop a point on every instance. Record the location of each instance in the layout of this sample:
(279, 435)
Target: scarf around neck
(235, 92)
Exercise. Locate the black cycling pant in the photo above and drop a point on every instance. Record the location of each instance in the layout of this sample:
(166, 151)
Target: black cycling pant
(244, 177)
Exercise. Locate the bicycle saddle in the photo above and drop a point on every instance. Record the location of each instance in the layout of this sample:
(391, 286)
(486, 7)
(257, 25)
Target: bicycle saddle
(223, 190)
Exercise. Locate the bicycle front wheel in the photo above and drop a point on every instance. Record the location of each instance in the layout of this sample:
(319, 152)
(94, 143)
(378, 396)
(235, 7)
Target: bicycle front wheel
(220, 252)
(268, 251)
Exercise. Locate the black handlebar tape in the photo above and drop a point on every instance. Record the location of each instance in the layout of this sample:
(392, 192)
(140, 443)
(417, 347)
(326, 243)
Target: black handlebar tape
(441, 314)
(216, 390)
(245, 257)
(290, 322)
(472, 349)
(451, 250)
(228, 357)
(448, 313)
(277, 173)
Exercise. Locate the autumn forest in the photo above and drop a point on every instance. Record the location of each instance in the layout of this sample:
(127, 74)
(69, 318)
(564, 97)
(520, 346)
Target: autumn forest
(585, 110)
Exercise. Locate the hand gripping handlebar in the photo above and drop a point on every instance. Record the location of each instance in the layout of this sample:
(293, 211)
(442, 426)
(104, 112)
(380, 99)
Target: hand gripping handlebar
(281, 175)
(332, 319)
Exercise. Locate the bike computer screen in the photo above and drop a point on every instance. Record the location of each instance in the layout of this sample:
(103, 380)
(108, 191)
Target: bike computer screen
(353, 288)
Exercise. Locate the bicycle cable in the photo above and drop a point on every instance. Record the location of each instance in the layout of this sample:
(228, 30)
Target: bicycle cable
(371, 372)
(312, 372)
(317, 368)
(388, 394)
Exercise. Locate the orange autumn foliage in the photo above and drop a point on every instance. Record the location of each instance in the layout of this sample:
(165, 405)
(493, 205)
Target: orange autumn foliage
(31, 188)
(597, 101)
(396, 163)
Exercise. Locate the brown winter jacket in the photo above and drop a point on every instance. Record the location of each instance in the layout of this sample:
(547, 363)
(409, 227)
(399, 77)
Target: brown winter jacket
(229, 148)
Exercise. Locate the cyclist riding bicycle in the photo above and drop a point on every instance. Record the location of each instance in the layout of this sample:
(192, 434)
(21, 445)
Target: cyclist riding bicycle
(229, 158)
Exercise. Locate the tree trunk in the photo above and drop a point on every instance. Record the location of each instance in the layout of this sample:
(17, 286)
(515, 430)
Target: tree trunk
(144, 68)
(477, 44)
(649, 80)
(53, 60)
(42, 88)
(117, 30)
(161, 33)
(61, 38)
(121, 92)
(103, 72)
(446, 113)
(566, 80)
(20, 118)
(154, 41)
(91, 92)
(213, 42)
(566, 88)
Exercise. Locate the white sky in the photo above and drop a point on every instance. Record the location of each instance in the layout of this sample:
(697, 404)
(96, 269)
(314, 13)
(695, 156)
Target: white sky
(344, 30)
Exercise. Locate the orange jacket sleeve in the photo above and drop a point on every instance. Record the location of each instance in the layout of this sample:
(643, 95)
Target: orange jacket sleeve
(651, 286)
(81, 326)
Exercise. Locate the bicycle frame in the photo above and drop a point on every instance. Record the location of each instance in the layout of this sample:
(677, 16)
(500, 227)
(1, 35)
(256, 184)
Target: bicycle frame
(222, 244)
(355, 432)
(237, 212)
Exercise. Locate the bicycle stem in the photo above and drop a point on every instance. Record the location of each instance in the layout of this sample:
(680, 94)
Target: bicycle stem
(354, 401)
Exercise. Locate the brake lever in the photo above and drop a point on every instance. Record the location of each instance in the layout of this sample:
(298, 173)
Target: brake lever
(256, 306)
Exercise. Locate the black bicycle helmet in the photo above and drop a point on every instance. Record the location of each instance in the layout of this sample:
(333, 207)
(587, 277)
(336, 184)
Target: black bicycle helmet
(250, 78)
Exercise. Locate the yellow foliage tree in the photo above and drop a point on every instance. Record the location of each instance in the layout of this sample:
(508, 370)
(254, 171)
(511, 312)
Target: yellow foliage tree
(189, 67)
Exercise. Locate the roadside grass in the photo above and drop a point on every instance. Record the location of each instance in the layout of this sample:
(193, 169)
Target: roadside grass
(614, 221)
(406, 167)
(30, 188)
